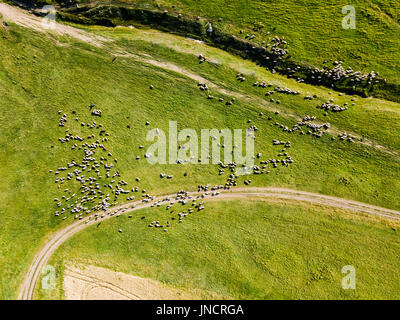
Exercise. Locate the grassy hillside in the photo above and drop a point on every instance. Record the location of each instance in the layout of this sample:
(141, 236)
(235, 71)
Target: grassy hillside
(246, 250)
(42, 74)
(313, 30)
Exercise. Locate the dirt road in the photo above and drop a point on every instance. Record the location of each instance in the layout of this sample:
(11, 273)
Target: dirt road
(56, 240)
(22, 18)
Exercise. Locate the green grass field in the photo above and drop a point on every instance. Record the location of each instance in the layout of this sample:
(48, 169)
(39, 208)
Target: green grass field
(41, 74)
(312, 29)
(246, 250)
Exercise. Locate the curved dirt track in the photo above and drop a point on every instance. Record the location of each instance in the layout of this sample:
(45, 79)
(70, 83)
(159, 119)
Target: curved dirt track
(57, 239)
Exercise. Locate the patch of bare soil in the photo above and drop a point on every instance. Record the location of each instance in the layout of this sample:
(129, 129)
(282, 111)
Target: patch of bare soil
(86, 282)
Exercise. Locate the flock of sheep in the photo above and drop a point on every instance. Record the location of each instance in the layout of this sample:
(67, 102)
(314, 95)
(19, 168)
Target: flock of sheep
(97, 186)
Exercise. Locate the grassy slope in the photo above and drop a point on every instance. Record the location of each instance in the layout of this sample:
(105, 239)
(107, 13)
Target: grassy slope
(312, 28)
(247, 250)
(223, 68)
(73, 75)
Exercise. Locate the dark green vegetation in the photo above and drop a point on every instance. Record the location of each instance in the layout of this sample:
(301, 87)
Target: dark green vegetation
(312, 30)
(247, 250)
(41, 74)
